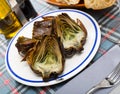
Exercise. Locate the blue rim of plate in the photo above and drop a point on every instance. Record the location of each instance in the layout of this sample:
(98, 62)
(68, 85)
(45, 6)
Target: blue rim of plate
(62, 10)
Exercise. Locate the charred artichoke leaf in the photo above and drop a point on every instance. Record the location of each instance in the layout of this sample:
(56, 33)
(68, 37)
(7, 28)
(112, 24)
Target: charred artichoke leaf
(47, 58)
(24, 44)
(72, 34)
(42, 28)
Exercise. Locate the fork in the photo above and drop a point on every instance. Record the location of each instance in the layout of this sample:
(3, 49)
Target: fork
(111, 80)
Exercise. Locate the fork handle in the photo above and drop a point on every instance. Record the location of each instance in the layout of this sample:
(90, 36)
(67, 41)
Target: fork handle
(93, 89)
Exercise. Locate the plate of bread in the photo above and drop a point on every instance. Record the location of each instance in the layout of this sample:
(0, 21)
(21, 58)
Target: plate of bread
(89, 4)
(61, 3)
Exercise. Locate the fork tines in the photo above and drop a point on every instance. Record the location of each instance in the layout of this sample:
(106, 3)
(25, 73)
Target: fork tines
(114, 76)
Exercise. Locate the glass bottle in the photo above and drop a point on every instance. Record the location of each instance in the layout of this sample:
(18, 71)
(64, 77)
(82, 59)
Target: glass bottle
(9, 23)
(27, 9)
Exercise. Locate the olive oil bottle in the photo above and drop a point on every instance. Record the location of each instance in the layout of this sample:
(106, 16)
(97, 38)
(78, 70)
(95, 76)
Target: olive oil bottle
(9, 23)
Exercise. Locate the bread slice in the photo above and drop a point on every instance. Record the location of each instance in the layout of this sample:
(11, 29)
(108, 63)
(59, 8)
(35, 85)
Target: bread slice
(69, 2)
(98, 4)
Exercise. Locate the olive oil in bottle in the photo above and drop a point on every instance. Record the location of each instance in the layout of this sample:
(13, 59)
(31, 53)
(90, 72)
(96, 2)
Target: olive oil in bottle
(9, 23)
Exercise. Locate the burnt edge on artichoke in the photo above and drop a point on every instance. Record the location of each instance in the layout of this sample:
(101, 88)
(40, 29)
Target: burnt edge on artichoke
(24, 44)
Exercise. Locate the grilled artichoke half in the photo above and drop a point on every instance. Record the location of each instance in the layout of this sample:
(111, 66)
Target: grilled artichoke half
(46, 58)
(73, 34)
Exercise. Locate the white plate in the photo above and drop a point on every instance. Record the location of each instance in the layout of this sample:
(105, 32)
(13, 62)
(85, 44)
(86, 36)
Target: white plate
(22, 73)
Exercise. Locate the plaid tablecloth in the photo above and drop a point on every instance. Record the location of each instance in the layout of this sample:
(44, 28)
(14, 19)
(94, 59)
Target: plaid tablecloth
(109, 21)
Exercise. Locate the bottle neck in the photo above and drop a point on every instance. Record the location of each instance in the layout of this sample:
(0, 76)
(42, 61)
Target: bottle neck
(27, 9)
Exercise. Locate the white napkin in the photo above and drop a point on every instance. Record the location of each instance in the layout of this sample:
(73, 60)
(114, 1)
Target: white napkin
(93, 74)
(116, 90)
